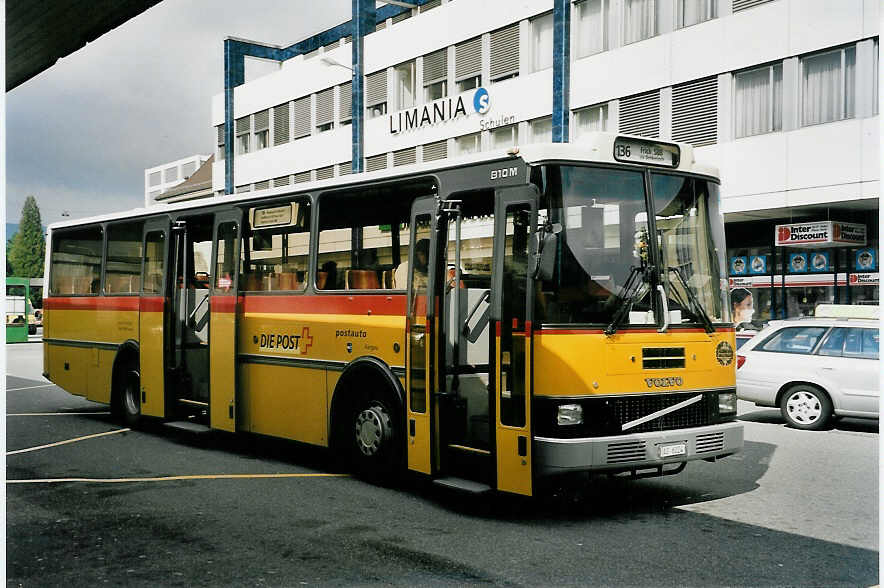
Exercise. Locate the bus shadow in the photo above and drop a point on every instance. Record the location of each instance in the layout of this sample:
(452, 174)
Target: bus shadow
(614, 497)
(772, 416)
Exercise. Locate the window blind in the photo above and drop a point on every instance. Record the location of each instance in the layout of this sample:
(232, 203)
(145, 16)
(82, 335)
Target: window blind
(345, 105)
(468, 58)
(325, 173)
(695, 112)
(376, 162)
(242, 125)
(404, 156)
(640, 114)
(281, 124)
(434, 151)
(376, 88)
(739, 5)
(262, 120)
(302, 117)
(436, 66)
(302, 177)
(505, 51)
(325, 107)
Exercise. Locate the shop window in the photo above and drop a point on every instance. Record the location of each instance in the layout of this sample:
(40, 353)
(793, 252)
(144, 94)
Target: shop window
(641, 20)
(75, 265)
(123, 270)
(542, 42)
(591, 27)
(691, 12)
(828, 86)
(276, 248)
(363, 241)
(758, 101)
(589, 120)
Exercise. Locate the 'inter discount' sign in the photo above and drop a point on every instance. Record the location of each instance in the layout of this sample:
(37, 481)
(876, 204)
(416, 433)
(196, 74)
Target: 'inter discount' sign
(820, 234)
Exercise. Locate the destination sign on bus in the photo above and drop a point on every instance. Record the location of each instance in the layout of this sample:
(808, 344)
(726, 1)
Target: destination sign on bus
(275, 216)
(646, 152)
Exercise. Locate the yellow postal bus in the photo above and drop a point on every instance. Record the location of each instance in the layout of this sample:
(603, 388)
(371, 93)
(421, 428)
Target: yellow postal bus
(488, 321)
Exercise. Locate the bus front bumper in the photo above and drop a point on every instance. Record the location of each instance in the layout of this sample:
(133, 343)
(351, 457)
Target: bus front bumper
(637, 451)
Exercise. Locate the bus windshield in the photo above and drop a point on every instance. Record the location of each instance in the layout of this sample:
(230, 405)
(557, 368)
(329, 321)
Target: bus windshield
(604, 254)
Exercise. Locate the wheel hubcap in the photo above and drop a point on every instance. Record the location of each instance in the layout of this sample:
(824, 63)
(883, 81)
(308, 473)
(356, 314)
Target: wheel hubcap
(371, 429)
(804, 408)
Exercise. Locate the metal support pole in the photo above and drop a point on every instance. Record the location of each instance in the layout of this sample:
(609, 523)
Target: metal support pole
(363, 21)
(561, 70)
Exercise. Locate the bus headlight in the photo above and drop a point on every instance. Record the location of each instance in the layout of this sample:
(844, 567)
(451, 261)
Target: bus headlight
(727, 403)
(570, 414)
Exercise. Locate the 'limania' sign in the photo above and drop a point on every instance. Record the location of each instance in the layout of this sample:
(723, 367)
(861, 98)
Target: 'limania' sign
(820, 234)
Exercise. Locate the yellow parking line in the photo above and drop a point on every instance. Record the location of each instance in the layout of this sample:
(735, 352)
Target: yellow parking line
(175, 478)
(56, 444)
(52, 413)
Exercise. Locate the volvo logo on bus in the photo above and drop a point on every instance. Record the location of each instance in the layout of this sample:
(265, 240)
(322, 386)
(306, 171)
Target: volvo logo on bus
(664, 382)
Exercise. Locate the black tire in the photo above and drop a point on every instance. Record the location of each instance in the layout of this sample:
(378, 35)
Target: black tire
(804, 406)
(374, 438)
(130, 397)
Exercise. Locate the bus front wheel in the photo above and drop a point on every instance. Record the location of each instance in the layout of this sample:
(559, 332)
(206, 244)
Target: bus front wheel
(374, 440)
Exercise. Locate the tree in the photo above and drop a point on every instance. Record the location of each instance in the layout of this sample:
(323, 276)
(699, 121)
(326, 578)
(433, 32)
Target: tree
(27, 250)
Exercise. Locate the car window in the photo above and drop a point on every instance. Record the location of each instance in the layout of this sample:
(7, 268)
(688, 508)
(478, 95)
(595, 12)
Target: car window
(861, 343)
(794, 340)
(834, 343)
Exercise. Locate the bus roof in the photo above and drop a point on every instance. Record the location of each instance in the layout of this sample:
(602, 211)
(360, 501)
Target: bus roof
(594, 147)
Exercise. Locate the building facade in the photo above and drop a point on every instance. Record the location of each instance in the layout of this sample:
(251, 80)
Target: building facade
(164, 177)
(781, 95)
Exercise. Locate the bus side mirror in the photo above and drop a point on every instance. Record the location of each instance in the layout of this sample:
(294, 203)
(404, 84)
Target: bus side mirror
(545, 246)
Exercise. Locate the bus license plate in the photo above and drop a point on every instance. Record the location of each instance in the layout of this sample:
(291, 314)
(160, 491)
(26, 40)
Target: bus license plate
(672, 449)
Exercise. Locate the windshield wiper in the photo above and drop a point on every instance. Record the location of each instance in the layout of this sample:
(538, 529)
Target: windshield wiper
(630, 300)
(694, 301)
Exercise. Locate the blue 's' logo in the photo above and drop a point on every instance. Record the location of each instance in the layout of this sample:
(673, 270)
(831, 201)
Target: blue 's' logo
(482, 101)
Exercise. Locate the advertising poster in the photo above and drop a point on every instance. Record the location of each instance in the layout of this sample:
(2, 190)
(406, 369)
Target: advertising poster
(739, 265)
(819, 261)
(797, 263)
(866, 260)
(758, 264)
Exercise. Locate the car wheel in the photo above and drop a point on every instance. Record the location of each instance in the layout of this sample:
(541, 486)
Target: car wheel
(806, 407)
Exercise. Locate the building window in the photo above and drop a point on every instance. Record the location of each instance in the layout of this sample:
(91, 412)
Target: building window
(541, 130)
(262, 130)
(589, 120)
(695, 112)
(504, 137)
(242, 135)
(828, 86)
(505, 53)
(467, 144)
(170, 174)
(758, 101)
(376, 94)
(640, 20)
(345, 103)
(325, 110)
(592, 27)
(188, 168)
(404, 85)
(640, 114)
(155, 178)
(436, 75)
(542, 42)
(468, 64)
(691, 12)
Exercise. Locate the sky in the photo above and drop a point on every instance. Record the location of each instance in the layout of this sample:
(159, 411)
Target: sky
(80, 135)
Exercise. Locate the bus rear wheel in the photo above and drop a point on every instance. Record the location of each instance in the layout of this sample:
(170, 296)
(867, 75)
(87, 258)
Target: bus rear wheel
(374, 445)
(130, 398)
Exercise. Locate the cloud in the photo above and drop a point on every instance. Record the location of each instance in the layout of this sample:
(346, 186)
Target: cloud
(80, 134)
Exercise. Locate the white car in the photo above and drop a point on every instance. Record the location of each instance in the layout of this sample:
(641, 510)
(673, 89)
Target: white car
(813, 369)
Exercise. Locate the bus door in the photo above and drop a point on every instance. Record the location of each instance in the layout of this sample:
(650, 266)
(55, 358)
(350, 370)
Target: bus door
(512, 308)
(189, 371)
(421, 329)
(154, 318)
(222, 328)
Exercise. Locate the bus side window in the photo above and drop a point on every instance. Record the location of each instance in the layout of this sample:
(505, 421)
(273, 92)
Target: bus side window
(277, 258)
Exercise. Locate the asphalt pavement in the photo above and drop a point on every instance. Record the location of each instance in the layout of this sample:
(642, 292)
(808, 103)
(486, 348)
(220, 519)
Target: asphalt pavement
(90, 502)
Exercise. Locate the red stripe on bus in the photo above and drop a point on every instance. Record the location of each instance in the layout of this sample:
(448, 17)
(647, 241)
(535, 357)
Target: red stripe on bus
(223, 303)
(92, 303)
(153, 304)
(625, 331)
(375, 304)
